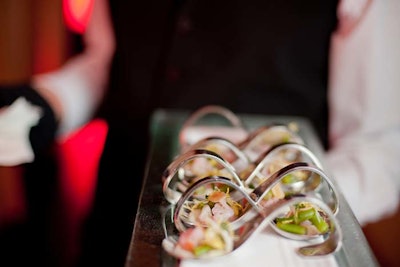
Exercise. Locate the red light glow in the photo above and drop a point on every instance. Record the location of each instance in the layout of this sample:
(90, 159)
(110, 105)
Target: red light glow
(77, 14)
(79, 157)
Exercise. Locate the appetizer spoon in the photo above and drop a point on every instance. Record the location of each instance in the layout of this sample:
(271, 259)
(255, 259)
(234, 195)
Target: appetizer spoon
(264, 137)
(256, 198)
(328, 246)
(256, 224)
(182, 219)
(328, 194)
(221, 111)
(174, 184)
(270, 157)
(240, 159)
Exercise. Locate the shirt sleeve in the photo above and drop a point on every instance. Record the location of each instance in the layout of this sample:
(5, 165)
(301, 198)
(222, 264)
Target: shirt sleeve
(81, 82)
(364, 94)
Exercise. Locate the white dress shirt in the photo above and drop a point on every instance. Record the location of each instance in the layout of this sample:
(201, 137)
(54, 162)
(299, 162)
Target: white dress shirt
(364, 100)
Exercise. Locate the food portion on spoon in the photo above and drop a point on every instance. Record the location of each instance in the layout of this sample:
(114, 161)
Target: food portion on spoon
(201, 241)
(303, 219)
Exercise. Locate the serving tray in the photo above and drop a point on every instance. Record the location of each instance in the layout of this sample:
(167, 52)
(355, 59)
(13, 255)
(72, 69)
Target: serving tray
(150, 222)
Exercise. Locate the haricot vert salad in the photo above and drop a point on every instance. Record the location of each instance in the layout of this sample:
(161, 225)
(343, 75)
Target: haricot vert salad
(304, 219)
(211, 233)
(218, 206)
(205, 241)
(210, 220)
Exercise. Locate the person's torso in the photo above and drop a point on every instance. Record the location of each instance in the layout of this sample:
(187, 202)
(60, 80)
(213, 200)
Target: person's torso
(268, 57)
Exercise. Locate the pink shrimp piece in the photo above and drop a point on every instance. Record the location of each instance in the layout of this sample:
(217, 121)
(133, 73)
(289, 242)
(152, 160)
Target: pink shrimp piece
(191, 238)
(222, 211)
(201, 166)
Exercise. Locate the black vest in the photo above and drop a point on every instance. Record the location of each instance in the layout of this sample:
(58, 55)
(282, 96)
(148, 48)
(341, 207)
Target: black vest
(268, 57)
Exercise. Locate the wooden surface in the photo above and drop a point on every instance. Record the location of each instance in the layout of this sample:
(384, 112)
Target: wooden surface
(384, 238)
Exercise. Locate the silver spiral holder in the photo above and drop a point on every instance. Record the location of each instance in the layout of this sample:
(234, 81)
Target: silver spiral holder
(266, 175)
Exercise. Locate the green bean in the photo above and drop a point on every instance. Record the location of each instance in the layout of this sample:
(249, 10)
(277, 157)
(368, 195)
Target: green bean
(319, 222)
(292, 228)
(285, 219)
(304, 215)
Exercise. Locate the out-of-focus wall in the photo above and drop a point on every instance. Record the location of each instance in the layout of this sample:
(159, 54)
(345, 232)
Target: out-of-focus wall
(32, 38)
(15, 40)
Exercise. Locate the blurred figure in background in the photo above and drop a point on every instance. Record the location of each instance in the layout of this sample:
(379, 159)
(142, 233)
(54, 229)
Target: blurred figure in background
(39, 111)
(364, 118)
(364, 107)
(333, 62)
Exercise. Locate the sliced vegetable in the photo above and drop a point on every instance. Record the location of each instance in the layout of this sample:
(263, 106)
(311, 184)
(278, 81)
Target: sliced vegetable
(299, 219)
(318, 221)
(292, 228)
(302, 215)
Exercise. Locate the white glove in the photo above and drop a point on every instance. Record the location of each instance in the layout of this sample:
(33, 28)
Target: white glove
(16, 121)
